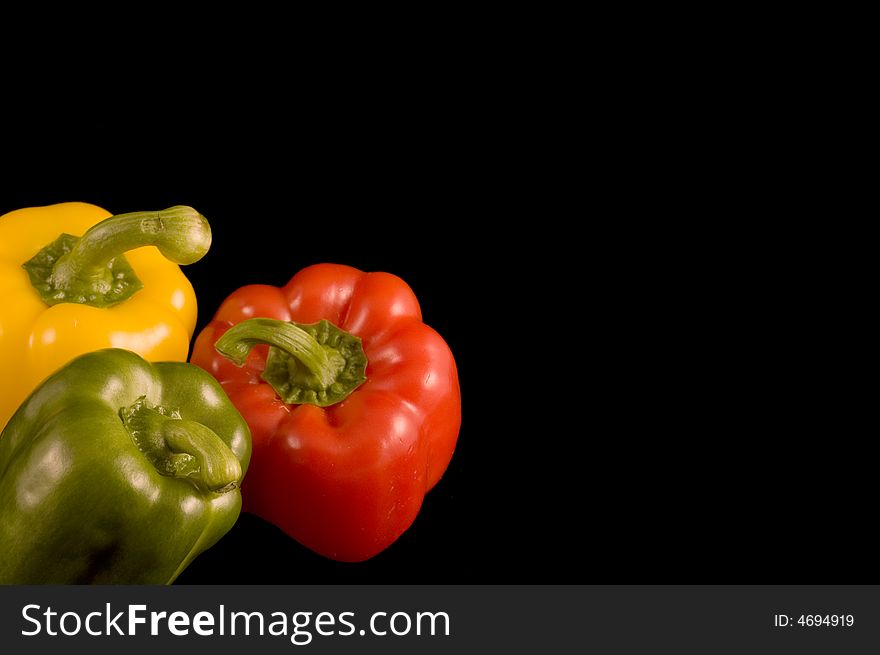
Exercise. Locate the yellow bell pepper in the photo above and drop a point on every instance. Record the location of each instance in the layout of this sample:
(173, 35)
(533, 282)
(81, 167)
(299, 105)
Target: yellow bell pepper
(61, 296)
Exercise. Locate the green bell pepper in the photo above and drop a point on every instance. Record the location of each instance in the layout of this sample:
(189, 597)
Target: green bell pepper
(118, 471)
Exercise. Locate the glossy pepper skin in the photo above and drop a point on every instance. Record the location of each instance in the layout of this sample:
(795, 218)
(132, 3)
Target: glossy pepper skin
(157, 321)
(118, 471)
(347, 479)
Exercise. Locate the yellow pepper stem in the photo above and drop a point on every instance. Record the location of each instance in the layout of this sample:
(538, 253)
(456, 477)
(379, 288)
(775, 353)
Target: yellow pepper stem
(92, 270)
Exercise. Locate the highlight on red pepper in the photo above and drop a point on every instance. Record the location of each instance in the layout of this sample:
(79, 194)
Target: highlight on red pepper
(352, 401)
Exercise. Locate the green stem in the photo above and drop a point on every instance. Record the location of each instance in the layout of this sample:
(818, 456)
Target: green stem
(237, 342)
(92, 269)
(218, 466)
(318, 363)
(180, 448)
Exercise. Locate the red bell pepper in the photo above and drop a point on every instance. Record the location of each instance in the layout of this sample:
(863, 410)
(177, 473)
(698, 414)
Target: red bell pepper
(352, 401)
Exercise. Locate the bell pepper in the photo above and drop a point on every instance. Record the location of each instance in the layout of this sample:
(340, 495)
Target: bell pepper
(68, 289)
(118, 471)
(353, 404)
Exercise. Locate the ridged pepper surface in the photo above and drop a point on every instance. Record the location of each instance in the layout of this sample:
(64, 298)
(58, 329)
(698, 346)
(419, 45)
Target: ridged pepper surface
(353, 403)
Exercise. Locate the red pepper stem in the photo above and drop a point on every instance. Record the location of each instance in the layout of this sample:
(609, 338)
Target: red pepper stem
(317, 363)
(296, 342)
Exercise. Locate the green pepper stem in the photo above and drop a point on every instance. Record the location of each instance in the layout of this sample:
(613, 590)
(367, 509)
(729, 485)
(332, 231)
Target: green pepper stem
(318, 363)
(180, 448)
(218, 467)
(180, 233)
